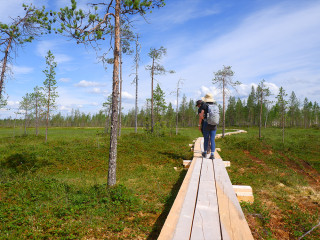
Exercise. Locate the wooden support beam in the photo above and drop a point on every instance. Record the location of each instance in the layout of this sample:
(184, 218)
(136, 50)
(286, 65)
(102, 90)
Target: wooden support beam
(244, 193)
(226, 163)
(191, 145)
(186, 163)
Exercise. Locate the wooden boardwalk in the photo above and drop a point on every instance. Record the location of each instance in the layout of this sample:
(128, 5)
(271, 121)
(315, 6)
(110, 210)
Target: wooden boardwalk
(206, 206)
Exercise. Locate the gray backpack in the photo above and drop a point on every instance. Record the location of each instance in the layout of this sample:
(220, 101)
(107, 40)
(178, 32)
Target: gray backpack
(213, 114)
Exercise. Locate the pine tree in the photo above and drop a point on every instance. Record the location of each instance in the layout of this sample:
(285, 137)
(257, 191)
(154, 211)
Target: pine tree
(293, 109)
(262, 93)
(282, 103)
(91, 26)
(22, 30)
(49, 88)
(223, 78)
(156, 69)
(38, 102)
(26, 106)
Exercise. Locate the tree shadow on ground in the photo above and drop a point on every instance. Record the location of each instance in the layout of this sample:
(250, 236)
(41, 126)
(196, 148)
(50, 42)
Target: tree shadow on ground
(176, 156)
(156, 229)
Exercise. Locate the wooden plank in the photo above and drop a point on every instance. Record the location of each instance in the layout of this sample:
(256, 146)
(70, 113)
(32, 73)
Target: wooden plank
(206, 223)
(186, 163)
(233, 223)
(226, 163)
(244, 193)
(242, 188)
(245, 197)
(169, 226)
(183, 228)
(197, 148)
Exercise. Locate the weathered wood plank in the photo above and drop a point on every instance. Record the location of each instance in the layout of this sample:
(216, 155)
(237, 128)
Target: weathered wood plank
(169, 226)
(206, 223)
(233, 223)
(183, 228)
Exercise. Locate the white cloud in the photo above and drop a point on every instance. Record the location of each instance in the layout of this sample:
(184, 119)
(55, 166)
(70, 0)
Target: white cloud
(64, 108)
(96, 90)
(21, 69)
(13, 103)
(86, 84)
(278, 44)
(274, 89)
(44, 46)
(127, 95)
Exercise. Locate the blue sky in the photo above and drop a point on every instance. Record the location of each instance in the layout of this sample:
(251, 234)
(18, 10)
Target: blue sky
(278, 41)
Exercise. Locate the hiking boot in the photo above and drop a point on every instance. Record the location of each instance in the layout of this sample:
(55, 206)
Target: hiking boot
(212, 156)
(204, 154)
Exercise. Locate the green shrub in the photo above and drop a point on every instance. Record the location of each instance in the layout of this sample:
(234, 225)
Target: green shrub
(22, 162)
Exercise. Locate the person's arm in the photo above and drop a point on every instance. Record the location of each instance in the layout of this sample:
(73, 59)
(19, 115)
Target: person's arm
(201, 116)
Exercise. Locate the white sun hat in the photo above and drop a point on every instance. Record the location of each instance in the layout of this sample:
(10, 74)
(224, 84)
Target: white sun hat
(208, 98)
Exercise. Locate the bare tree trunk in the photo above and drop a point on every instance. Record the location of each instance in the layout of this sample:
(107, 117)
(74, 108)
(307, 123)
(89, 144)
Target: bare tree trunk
(4, 65)
(177, 109)
(260, 119)
(106, 128)
(136, 106)
(36, 116)
(152, 73)
(283, 120)
(265, 122)
(14, 126)
(120, 98)
(115, 96)
(25, 122)
(223, 110)
(48, 114)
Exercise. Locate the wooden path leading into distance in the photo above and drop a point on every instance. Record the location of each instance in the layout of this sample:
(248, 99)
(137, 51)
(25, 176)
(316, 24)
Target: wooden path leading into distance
(206, 206)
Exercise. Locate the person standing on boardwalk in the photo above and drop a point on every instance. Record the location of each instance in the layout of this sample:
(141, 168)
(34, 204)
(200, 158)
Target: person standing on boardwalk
(209, 116)
(201, 105)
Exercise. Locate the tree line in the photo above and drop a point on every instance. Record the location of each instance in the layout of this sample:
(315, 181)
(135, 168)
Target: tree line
(297, 113)
(239, 113)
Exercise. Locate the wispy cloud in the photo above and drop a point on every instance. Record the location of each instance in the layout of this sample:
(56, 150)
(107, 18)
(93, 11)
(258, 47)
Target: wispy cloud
(86, 84)
(278, 44)
(11, 9)
(127, 95)
(44, 46)
(21, 69)
(184, 11)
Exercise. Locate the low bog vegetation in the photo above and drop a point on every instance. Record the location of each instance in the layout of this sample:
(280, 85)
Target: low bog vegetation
(57, 190)
(284, 177)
